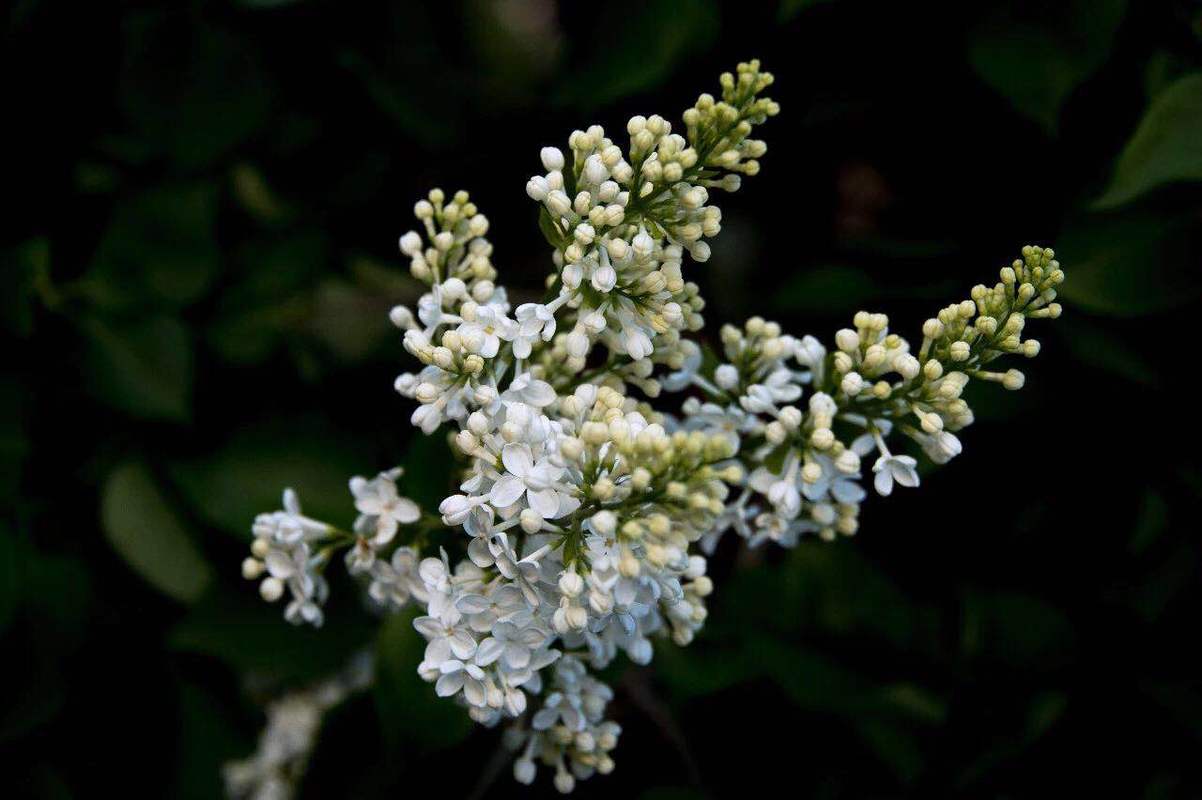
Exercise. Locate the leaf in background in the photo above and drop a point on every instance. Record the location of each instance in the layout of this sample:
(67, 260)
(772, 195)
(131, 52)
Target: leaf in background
(417, 108)
(634, 54)
(255, 195)
(1165, 148)
(40, 694)
(158, 250)
(1044, 711)
(191, 89)
(704, 669)
(246, 475)
(815, 682)
(1016, 629)
(672, 793)
(142, 367)
(894, 745)
(21, 268)
(146, 531)
(56, 591)
(10, 571)
(1154, 590)
(411, 714)
(791, 8)
(1131, 264)
(1100, 348)
(272, 295)
(14, 442)
(818, 288)
(250, 636)
(349, 321)
(850, 595)
(207, 738)
(1150, 524)
(265, 3)
(516, 47)
(430, 470)
(1037, 62)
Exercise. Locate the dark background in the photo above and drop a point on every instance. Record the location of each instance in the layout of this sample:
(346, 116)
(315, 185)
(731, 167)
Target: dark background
(199, 254)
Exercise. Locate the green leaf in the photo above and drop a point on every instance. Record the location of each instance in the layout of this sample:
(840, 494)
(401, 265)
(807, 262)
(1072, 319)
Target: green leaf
(246, 475)
(1151, 523)
(144, 529)
(10, 571)
(256, 196)
(895, 746)
(1131, 264)
(550, 230)
(251, 636)
(143, 367)
(273, 296)
(14, 442)
(191, 90)
(791, 8)
(1016, 629)
(158, 250)
(1044, 711)
(636, 50)
(410, 712)
(1165, 148)
(207, 738)
(1036, 61)
(350, 321)
(819, 288)
(430, 470)
(672, 793)
(1100, 348)
(703, 670)
(21, 268)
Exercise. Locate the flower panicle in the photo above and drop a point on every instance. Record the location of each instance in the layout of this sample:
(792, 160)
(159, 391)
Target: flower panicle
(586, 507)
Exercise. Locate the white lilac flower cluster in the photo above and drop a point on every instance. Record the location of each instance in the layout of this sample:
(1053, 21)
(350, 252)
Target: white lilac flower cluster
(583, 516)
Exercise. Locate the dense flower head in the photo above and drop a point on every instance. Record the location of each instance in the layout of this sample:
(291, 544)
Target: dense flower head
(586, 504)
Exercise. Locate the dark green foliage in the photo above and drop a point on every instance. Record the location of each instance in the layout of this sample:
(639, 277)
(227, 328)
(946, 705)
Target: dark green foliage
(198, 261)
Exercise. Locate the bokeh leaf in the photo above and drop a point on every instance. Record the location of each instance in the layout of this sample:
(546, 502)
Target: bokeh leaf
(791, 8)
(250, 636)
(246, 475)
(158, 250)
(10, 571)
(143, 367)
(14, 442)
(21, 268)
(1130, 264)
(208, 738)
(145, 530)
(643, 50)
(1165, 148)
(1098, 347)
(189, 89)
(1014, 628)
(1036, 61)
(272, 295)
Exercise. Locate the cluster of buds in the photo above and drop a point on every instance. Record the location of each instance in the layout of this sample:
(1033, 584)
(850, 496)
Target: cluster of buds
(583, 515)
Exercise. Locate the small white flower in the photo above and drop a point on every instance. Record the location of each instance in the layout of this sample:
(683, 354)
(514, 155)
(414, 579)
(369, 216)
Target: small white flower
(382, 509)
(890, 468)
(535, 321)
(485, 332)
(457, 675)
(511, 644)
(525, 476)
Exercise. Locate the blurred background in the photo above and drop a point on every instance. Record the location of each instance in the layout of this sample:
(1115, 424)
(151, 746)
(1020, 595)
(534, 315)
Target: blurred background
(198, 259)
